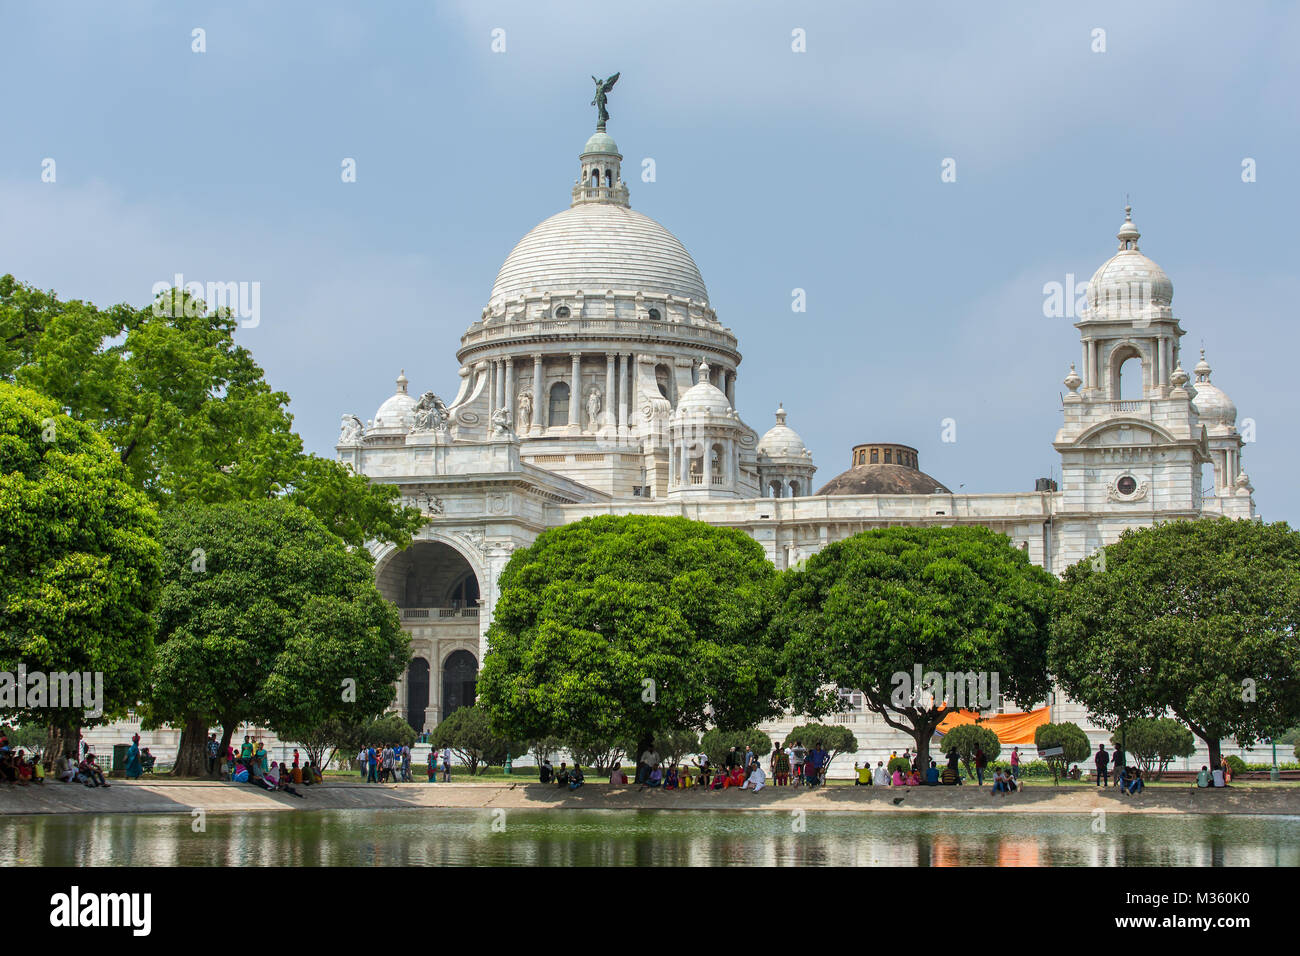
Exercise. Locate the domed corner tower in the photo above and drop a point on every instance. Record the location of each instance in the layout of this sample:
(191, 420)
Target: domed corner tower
(785, 465)
(1131, 453)
(592, 332)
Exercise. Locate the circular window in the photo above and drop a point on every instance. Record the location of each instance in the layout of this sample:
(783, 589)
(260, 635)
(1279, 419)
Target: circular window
(654, 314)
(1126, 485)
(562, 312)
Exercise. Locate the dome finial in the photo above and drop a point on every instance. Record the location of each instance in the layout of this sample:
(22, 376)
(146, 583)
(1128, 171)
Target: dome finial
(402, 382)
(1128, 234)
(704, 373)
(1202, 370)
(780, 413)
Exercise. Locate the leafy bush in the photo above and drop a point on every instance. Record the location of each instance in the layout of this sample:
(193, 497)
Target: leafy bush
(1155, 741)
(1236, 765)
(716, 743)
(965, 737)
(899, 763)
(469, 734)
(833, 738)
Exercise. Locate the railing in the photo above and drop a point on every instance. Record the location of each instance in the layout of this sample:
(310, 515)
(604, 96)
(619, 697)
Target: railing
(440, 613)
(1131, 406)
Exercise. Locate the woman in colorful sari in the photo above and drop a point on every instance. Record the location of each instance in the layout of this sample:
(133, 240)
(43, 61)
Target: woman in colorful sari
(134, 769)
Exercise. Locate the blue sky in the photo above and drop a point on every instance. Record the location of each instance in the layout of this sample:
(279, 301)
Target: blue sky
(778, 170)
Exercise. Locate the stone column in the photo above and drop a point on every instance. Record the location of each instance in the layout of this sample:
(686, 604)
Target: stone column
(492, 388)
(706, 464)
(1093, 371)
(575, 394)
(624, 388)
(731, 387)
(686, 465)
(610, 424)
(510, 390)
(538, 399)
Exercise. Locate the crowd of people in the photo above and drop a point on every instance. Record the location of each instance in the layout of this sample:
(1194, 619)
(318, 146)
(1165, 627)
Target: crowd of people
(17, 767)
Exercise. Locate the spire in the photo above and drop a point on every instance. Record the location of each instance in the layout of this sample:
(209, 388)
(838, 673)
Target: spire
(1128, 234)
(704, 373)
(780, 413)
(600, 177)
(402, 382)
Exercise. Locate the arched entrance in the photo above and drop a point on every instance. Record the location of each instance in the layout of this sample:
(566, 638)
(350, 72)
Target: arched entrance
(459, 681)
(430, 576)
(417, 693)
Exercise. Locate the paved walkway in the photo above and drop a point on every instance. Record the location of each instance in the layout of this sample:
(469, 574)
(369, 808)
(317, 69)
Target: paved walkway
(166, 796)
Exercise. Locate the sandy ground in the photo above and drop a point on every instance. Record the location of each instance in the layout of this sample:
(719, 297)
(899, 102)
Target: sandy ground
(165, 796)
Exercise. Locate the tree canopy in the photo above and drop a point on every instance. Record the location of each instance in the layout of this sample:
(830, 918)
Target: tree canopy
(625, 627)
(266, 617)
(1196, 618)
(833, 738)
(468, 732)
(80, 563)
(188, 412)
(964, 738)
(866, 612)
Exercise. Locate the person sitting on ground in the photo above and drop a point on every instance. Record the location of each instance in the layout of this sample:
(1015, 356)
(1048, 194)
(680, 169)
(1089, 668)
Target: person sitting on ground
(757, 778)
(932, 775)
(1133, 784)
(1203, 778)
(719, 781)
(546, 773)
(576, 779)
(913, 778)
(284, 781)
(1075, 773)
(880, 778)
(999, 782)
(949, 777)
(897, 779)
(38, 771)
(685, 778)
(147, 760)
(671, 780)
(1218, 778)
(64, 769)
(91, 770)
(656, 778)
(862, 775)
(562, 776)
(737, 777)
(269, 780)
(701, 763)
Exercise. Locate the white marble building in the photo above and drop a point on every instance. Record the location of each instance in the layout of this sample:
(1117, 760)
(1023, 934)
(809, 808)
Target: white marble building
(599, 380)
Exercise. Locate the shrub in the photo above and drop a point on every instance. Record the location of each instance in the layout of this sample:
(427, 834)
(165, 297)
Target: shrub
(1154, 741)
(964, 738)
(1236, 765)
(716, 743)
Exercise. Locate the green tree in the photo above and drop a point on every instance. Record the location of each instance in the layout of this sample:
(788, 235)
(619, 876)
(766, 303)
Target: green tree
(188, 411)
(468, 732)
(267, 617)
(543, 747)
(625, 627)
(79, 565)
(964, 738)
(1197, 618)
(599, 753)
(866, 612)
(717, 743)
(835, 739)
(1070, 738)
(1155, 741)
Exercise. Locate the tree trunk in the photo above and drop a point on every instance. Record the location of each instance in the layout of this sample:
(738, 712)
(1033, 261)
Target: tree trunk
(227, 732)
(60, 740)
(1216, 754)
(192, 752)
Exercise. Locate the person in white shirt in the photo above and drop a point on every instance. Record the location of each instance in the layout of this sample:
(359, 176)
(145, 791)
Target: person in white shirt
(881, 777)
(1218, 778)
(757, 778)
(649, 760)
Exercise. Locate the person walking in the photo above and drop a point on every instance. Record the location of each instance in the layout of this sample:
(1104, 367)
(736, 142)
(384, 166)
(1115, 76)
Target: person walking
(1117, 765)
(1102, 762)
(981, 761)
(213, 747)
(1015, 763)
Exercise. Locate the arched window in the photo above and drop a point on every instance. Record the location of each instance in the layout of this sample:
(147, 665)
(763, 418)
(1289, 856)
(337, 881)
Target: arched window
(417, 693)
(1128, 376)
(595, 177)
(794, 489)
(459, 682)
(562, 312)
(875, 456)
(464, 593)
(888, 453)
(558, 411)
(654, 315)
(774, 489)
(609, 177)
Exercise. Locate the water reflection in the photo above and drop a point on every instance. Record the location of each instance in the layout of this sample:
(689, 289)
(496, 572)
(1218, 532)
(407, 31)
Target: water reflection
(647, 838)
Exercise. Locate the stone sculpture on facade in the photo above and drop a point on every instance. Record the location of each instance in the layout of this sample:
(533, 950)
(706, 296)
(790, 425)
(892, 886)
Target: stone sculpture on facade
(430, 414)
(352, 430)
(525, 404)
(501, 422)
(593, 409)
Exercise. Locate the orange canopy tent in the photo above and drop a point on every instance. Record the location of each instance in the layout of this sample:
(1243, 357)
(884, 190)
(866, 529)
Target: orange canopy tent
(1010, 728)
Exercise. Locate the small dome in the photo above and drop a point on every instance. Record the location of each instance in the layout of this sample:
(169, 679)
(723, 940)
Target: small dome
(1215, 409)
(782, 441)
(704, 397)
(398, 411)
(601, 142)
(1129, 283)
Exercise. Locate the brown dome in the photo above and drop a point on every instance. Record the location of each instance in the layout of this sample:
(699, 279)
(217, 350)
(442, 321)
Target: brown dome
(882, 480)
(883, 468)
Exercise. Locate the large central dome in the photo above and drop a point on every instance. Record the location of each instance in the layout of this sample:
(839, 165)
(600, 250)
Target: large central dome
(597, 246)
